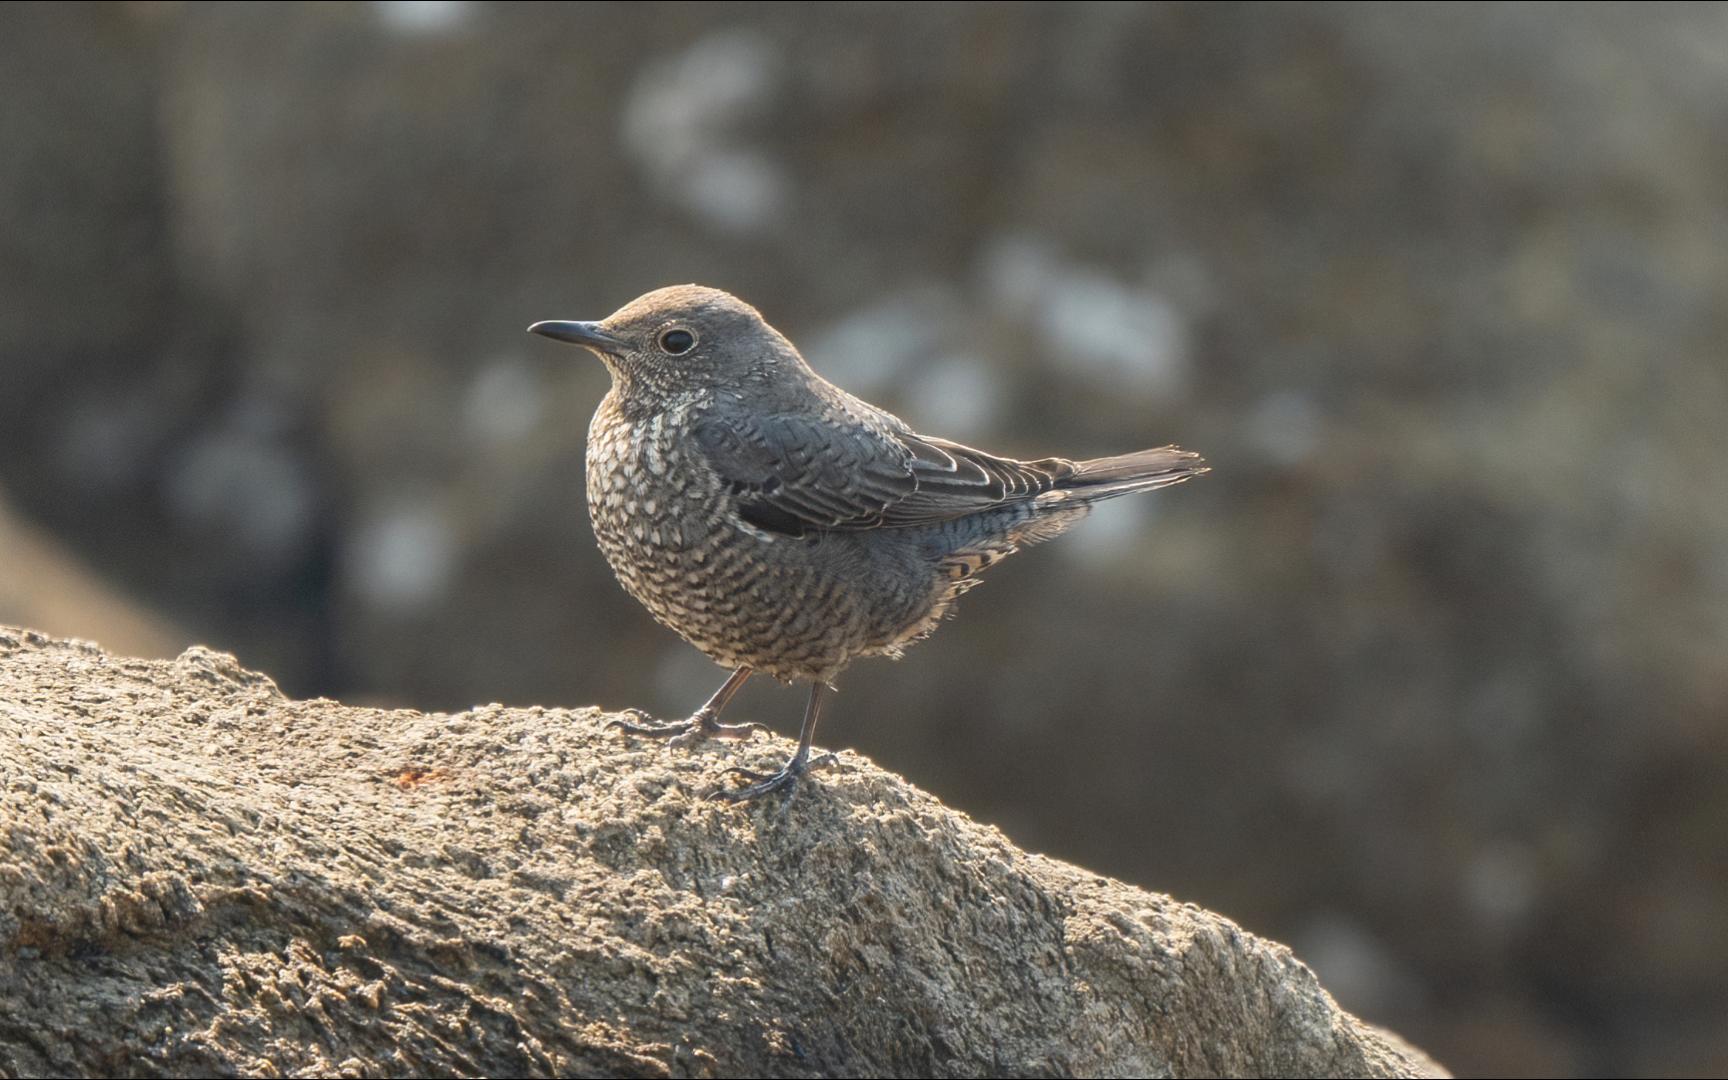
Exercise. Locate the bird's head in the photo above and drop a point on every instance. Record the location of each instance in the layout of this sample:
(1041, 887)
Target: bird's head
(679, 339)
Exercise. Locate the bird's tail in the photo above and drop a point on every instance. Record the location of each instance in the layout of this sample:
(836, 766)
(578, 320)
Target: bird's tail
(1143, 470)
(986, 538)
(1056, 511)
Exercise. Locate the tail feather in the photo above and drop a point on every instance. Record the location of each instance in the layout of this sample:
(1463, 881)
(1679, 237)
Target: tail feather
(1143, 470)
(1059, 509)
(980, 540)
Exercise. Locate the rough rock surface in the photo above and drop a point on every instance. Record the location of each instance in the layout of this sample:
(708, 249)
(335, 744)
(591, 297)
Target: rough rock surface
(200, 876)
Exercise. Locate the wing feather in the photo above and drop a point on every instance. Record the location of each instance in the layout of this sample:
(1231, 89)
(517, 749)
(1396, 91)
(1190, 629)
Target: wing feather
(794, 473)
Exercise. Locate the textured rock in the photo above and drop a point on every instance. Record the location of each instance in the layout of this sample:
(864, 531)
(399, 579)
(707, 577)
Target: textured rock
(200, 876)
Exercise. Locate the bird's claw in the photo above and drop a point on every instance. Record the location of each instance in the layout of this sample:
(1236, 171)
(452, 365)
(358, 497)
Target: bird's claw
(785, 780)
(627, 725)
(700, 727)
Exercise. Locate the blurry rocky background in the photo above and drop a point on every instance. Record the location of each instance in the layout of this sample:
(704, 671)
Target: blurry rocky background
(1429, 678)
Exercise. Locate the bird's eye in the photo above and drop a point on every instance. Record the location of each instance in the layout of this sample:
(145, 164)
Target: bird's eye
(677, 342)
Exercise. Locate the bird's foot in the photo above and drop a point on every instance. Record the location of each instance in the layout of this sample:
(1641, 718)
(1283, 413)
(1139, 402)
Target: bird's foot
(786, 780)
(701, 726)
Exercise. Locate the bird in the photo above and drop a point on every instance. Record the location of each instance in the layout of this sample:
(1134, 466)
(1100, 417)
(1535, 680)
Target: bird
(783, 526)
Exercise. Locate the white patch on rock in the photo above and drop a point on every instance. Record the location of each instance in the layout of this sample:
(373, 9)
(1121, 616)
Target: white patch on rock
(681, 126)
(735, 190)
(963, 390)
(1356, 966)
(403, 558)
(875, 347)
(503, 403)
(423, 16)
(1100, 325)
(1111, 530)
(1132, 336)
(238, 481)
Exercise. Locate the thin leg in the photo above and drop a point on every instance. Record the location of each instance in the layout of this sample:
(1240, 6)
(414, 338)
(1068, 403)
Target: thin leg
(704, 723)
(787, 778)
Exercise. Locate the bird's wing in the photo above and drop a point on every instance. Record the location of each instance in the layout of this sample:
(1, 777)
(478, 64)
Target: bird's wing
(954, 480)
(792, 473)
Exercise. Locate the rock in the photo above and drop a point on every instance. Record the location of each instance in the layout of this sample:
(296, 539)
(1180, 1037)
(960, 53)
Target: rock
(201, 876)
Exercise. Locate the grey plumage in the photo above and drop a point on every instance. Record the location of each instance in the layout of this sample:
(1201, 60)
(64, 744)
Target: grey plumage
(780, 524)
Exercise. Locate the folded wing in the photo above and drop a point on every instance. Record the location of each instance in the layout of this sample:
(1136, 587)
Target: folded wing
(792, 473)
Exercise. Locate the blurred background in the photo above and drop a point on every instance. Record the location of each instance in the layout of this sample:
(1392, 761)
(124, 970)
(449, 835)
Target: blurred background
(1427, 678)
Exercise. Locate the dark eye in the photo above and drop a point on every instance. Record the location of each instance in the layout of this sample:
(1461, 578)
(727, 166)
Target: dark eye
(677, 342)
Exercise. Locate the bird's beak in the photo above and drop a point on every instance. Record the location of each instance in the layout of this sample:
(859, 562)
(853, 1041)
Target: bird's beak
(586, 334)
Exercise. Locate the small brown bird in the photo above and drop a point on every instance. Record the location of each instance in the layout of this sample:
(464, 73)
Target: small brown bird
(780, 524)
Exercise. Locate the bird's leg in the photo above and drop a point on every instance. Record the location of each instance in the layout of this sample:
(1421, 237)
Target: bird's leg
(704, 723)
(787, 778)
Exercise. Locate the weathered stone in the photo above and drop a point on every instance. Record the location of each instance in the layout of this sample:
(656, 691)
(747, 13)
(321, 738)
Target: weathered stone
(201, 876)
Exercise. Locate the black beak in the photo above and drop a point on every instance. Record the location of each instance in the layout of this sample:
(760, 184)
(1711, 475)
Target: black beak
(586, 334)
